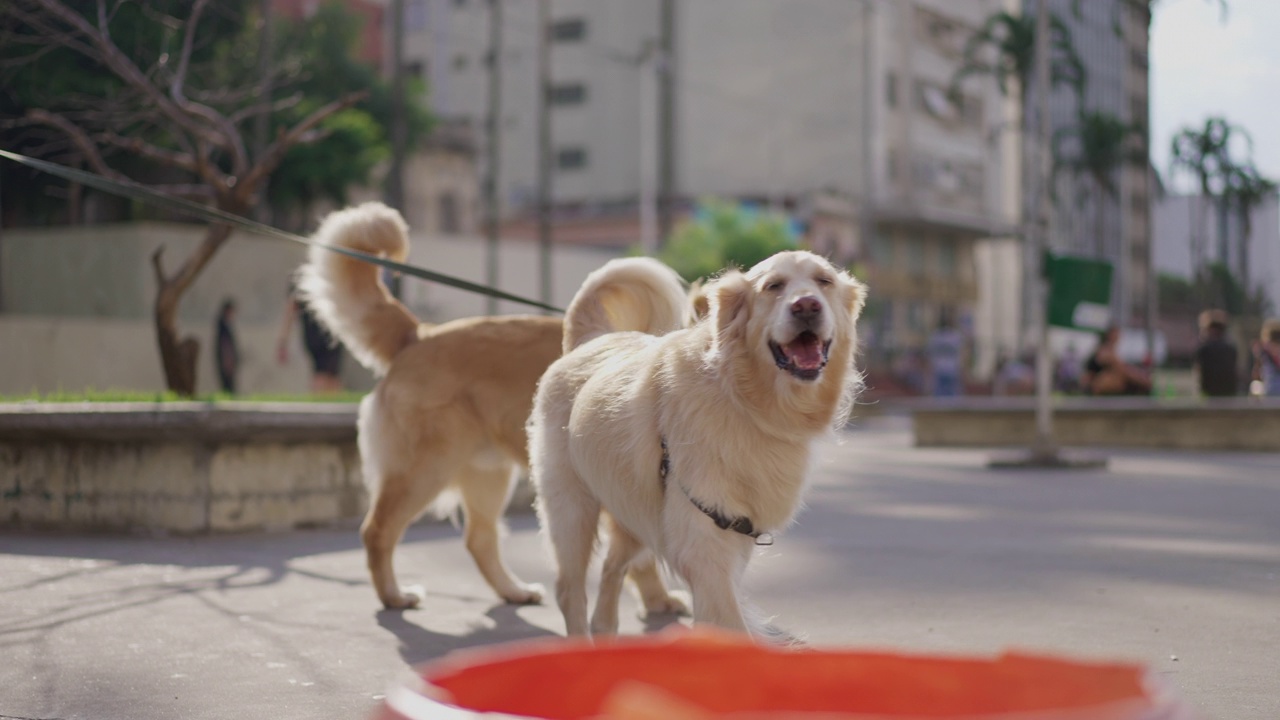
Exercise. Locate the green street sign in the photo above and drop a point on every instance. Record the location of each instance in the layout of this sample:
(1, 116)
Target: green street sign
(1079, 292)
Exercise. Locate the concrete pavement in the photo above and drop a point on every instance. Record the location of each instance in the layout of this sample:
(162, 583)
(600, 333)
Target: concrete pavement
(1171, 559)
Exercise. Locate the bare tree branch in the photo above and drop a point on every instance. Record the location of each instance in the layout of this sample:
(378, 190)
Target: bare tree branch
(104, 51)
(81, 140)
(184, 59)
(264, 108)
(275, 152)
(182, 161)
(232, 139)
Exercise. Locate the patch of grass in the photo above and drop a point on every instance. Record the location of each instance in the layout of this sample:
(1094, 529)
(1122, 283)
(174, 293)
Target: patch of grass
(165, 396)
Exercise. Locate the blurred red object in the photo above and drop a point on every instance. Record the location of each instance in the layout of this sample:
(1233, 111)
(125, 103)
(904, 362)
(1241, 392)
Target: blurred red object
(701, 675)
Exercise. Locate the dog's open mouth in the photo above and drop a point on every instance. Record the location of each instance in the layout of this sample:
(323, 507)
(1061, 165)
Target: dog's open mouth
(804, 357)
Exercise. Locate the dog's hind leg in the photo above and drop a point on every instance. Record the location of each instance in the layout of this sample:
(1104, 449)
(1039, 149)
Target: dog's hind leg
(570, 515)
(623, 550)
(485, 491)
(401, 496)
(655, 596)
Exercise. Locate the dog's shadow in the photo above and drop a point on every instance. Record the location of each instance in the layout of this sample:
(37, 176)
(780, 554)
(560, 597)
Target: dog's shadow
(419, 644)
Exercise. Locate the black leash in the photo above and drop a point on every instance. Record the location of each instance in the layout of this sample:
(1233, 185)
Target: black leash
(135, 191)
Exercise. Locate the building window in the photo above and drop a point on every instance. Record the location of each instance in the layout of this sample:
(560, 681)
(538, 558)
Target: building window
(415, 15)
(1138, 108)
(416, 69)
(459, 62)
(568, 94)
(916, 316)
(448, 221)
(569, 30)
(915, 255)
(881, 250)
(947, 257)
(574, 158)
(891, 90)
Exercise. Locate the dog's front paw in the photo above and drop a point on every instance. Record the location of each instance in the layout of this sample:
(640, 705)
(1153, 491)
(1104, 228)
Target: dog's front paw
(408, 597)
(670, 604)
(525, 594)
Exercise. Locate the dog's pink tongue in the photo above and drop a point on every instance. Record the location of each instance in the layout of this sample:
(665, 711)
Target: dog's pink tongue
(805, 352)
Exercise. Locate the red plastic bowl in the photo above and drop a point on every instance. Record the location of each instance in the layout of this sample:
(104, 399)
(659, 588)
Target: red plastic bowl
(699, 675)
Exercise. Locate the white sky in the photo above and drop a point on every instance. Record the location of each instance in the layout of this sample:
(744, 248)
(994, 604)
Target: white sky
(1202, 65)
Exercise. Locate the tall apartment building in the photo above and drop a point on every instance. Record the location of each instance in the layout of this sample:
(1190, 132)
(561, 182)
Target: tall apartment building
(1111, 38)
(836, 110)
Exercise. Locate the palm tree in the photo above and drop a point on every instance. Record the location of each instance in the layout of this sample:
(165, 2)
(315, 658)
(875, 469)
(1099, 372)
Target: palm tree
(1246, 188)
(1206, 154)
(1103, 143)
(1012, 40)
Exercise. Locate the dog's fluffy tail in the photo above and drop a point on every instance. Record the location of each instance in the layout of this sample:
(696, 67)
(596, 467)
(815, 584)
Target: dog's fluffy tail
(637, 294)
(347, 295)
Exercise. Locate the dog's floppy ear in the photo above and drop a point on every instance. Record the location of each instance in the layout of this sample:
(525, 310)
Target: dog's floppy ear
(728, 298)
(855, 294)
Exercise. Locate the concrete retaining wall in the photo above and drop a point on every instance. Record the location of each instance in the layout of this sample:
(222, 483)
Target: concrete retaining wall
(1238, 424)
(178, 467)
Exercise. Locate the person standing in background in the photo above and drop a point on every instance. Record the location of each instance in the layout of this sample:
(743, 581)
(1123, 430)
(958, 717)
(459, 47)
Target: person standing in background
(324, 350)
(1216, 358)
(226, 352)
(946, 349)
(1266, 361)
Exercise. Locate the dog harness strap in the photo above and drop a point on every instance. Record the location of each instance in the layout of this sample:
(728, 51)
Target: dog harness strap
(740, 524)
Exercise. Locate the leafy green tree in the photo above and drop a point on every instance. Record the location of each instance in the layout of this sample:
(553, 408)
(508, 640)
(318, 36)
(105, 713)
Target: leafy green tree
(1095, 147)
(166, 93)
(1004, 49)
(1246, 188)
(725, 235)
(1227, 184)
(357, 139)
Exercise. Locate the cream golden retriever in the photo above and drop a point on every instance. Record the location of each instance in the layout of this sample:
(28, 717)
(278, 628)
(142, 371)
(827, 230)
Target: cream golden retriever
(695, 444)
(450, 409)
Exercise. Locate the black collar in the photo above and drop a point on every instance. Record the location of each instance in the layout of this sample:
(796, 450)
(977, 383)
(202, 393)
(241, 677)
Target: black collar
(740, 524)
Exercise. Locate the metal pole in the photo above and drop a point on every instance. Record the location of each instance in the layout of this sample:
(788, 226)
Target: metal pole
(395, 174)
(262, 123)
(545, 177)
(666, 121)
(650, 60)
(494, 156)
(866, 226)
(1044, 446)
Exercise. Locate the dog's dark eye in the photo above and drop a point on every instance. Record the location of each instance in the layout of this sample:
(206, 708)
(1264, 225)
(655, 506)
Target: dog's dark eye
(775, 285)
(823, 280)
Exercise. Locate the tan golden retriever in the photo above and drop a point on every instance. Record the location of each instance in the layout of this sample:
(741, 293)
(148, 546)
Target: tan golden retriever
(450, 409)
(695, 444)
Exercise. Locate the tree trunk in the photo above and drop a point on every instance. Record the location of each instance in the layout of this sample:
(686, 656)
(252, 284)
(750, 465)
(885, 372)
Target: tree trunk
(1199, 245)
(1100, 243)
(179, 355)
(1246, 229)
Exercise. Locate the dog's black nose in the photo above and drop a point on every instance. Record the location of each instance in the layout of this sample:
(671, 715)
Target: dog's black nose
(806, 308)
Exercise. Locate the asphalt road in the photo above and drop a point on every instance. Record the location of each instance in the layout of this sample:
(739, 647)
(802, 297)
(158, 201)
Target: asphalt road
(1168, 559)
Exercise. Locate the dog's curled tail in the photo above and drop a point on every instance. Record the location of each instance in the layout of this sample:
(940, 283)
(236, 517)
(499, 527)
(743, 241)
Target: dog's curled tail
(347, 295)
(636, 294)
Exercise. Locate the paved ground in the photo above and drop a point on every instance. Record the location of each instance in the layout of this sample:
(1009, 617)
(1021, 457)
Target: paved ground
(1168, 559)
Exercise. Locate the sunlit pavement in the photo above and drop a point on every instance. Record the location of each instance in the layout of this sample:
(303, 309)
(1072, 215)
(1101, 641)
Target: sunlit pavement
(1169, 559)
